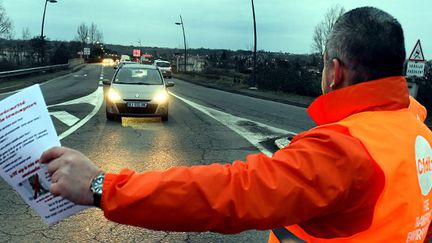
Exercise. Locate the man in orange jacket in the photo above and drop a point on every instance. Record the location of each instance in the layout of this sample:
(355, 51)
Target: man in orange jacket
(418, 109)
(364, 174)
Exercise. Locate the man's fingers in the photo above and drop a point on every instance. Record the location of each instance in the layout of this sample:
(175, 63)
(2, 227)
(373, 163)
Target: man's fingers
(54, 165)
(53, 157)
(55, 189)
(55, 176)
(52, 154)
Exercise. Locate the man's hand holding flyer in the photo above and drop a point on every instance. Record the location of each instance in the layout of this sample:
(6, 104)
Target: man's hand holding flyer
(26, 131)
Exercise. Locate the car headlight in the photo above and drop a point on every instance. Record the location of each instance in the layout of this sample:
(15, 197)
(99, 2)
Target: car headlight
(161, 97)
(113, 95)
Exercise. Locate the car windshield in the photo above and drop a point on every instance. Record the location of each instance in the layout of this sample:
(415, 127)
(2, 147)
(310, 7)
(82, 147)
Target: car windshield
(138, 76)
(163, 64)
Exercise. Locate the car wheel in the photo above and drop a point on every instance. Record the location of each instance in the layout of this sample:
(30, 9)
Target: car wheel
(112, 117)
(165, 117)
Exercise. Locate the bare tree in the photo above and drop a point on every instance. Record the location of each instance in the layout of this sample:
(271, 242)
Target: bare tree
(26, 35)
(10, 35)
(82, 33)
(322, 29)
(98, 36)
(6, 28)
(94, 34)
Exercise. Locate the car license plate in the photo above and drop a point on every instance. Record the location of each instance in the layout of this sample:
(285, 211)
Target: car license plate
(137, 104)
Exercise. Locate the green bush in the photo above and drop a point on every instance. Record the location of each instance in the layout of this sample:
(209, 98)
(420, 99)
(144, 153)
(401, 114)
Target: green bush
(290, 78)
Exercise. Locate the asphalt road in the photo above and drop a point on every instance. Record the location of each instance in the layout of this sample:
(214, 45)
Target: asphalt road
(204, 126)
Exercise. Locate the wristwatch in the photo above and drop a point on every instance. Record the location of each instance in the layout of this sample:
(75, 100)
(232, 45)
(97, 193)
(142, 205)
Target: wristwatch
(96, 188)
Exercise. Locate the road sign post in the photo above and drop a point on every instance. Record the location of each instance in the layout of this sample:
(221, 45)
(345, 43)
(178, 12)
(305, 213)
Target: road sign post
(136, 53)
(416, 62)
(86, 51)
(415, 67)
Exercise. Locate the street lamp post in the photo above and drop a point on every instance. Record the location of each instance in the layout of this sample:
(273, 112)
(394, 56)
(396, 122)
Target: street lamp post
(140, 48)
(255, 47)
(184, 41)
(43, 16)
(42, 38)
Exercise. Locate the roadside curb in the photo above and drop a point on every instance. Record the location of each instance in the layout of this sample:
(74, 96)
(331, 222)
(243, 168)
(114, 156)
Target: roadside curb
(256, 95)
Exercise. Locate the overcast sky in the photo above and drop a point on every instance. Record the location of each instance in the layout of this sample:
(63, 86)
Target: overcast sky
(282, 25)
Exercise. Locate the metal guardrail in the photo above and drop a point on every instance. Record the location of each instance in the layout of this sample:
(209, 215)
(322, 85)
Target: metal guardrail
(15, 73)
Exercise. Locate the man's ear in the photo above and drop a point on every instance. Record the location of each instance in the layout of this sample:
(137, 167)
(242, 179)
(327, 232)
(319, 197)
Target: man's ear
(337, 74)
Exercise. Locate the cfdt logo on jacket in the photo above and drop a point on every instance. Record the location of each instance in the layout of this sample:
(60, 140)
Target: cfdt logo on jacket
(423, 152)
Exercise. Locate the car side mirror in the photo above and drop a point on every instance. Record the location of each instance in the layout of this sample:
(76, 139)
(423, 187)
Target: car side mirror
(106, 81)
(115, 67)
(169, 84)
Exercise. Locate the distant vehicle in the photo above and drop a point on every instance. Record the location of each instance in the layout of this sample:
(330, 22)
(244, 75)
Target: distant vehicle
(123, 63)
(165, 68)
(108, 62)
(125, 58)
(137, 90)
(146, 59)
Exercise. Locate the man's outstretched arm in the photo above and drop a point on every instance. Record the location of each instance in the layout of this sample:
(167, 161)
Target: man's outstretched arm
(300, 182)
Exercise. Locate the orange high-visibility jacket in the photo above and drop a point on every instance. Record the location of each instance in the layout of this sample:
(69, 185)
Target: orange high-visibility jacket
(330, 182)
(418, 109)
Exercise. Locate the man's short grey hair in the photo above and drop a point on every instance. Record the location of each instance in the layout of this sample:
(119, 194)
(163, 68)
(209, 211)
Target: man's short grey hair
(368, 41)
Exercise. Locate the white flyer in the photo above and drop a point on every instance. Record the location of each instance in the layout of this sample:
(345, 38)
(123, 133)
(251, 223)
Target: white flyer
(26, 131)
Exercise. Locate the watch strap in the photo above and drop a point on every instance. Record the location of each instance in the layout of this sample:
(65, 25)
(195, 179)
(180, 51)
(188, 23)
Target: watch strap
(96, 188)
(97, 199)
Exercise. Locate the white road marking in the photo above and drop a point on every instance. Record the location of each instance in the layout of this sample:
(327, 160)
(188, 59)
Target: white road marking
(65, 117)
(95, 99)
(240, 125)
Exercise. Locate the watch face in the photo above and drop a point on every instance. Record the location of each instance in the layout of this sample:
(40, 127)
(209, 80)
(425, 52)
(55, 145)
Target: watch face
(97, 183)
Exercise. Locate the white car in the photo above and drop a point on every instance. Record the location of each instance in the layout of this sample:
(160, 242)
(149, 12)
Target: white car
(125, 58)
(165, 68)
(137, 90)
